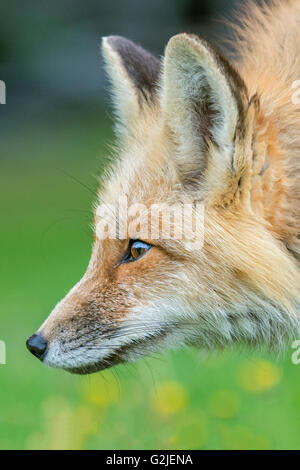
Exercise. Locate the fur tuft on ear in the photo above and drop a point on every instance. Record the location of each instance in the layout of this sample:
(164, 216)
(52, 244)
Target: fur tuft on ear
(204, 104)
(134, 75)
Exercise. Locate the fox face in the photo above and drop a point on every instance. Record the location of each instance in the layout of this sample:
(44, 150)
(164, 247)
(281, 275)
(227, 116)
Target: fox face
(189, 136)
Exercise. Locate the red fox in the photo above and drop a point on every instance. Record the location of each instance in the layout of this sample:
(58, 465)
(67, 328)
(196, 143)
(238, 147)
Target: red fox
(194, 129)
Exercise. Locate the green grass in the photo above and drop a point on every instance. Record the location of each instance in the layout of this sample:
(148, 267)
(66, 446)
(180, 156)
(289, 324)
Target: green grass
(180, 400)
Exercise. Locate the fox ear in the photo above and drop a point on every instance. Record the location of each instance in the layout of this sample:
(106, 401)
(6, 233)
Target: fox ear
(134, 75)
(204, 105)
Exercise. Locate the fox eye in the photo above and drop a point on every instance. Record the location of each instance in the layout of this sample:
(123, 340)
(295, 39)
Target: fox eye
(136, 249)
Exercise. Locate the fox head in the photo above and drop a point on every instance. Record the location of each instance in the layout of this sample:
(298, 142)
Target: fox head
(189, 135)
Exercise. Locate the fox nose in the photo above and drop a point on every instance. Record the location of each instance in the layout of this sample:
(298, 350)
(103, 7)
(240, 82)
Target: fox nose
(37, 345)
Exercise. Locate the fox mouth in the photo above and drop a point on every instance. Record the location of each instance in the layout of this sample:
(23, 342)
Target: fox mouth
(120, 355)
(112, 360)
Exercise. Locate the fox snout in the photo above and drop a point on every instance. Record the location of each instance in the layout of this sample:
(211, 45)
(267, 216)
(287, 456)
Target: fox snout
(104, 321)
(96, 326)
(75, 336)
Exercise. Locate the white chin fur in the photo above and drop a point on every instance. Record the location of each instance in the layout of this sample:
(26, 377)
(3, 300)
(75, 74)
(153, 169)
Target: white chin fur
(58, 357)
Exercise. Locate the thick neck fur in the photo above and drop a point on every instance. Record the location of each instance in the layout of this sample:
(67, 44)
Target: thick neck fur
(268, 49)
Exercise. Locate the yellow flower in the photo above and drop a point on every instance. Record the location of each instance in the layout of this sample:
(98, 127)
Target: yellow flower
(169, 398)
(258, 376)
(224, 404)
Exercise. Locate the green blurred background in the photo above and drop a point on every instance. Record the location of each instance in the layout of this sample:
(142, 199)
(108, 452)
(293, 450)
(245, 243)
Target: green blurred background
(55, 132)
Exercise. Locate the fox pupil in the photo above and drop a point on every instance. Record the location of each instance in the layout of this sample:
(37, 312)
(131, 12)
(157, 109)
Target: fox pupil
(138, 248)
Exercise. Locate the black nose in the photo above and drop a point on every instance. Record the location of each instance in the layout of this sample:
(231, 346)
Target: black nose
(37, 345)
